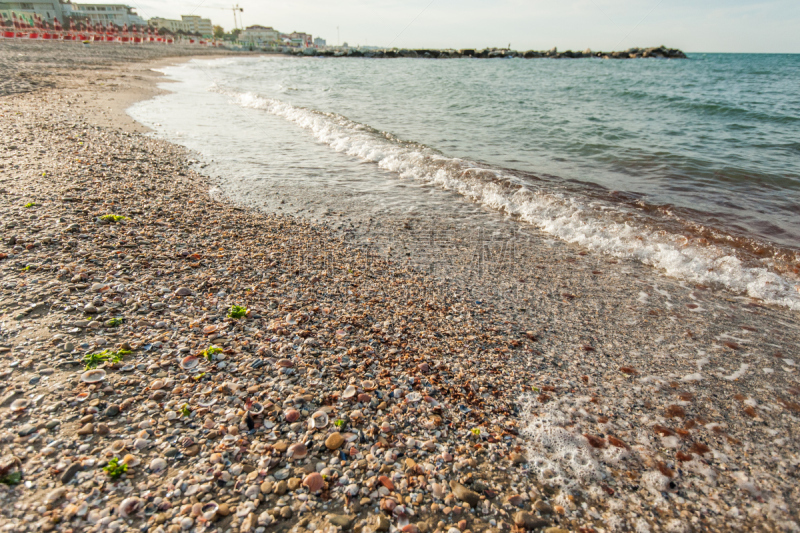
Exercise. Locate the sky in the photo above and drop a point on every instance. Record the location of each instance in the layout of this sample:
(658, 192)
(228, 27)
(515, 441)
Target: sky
(693, 26)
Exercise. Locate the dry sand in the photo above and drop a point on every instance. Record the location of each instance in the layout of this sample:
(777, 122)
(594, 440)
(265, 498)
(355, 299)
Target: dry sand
(617, 400)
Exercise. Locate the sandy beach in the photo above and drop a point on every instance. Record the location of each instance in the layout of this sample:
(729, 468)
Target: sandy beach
(355, 392)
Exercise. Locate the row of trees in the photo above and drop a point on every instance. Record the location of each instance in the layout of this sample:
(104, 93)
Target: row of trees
(219, 33)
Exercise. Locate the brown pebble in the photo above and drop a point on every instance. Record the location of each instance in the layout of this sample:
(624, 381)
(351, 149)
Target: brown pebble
(334, 441)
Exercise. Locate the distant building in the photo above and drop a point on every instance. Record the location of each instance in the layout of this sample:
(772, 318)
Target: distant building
(188, 24)
(301, 39)
(47, 9)
(169, 24)
(118, 14)
(198, 25)
(319, 42)
(260, 35)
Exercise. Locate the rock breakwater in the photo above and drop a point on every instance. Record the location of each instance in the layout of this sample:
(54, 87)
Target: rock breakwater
(657, 52)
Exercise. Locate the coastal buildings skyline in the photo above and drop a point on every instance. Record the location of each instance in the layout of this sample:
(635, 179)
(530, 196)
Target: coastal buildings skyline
(126, 15)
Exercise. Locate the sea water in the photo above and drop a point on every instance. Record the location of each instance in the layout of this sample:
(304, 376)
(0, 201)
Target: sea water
(691, 166)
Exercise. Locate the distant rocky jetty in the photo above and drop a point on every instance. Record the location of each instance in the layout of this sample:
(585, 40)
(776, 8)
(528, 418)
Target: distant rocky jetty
(492, 53)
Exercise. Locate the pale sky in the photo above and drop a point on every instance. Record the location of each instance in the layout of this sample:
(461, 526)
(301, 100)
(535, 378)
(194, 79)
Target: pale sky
(693, 26)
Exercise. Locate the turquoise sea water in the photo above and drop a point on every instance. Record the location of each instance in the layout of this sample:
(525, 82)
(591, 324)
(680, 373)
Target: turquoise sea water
(692, 166)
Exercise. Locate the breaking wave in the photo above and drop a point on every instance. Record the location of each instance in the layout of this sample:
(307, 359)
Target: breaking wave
(596, 224)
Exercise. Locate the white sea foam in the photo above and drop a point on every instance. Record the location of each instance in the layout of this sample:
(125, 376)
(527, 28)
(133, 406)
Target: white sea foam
(571, 219)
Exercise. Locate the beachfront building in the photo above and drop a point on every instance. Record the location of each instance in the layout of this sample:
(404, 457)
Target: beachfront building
(118, 14)
(303, 40)
(104, 14)
(187, 24)
(319, 42)
(260, 35)
(196, 24)
(46, 9)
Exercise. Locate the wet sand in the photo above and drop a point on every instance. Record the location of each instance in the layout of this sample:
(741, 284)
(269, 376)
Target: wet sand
(602, 396)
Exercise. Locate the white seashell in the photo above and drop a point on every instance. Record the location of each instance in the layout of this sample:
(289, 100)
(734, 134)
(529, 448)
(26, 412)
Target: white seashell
(93, 376)
(318, 420)
(20, 405)
(158, 464)
(209, 510)
(349, 392)
(189, 362)
(129, 507)
(131, 460)
(412, 397)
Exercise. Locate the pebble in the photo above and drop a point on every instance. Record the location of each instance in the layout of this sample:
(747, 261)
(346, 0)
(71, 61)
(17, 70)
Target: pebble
(334, 441)
(86, 429)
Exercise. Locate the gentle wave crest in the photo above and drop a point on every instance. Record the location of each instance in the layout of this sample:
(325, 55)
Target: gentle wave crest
(568, 217)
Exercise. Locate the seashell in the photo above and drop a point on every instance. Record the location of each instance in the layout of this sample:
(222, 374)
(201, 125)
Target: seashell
(297, 451)
(314, 482)
(172, 415)
(208, 402)
(349, 392)
(127, 368)
(318, 420)
(369, 385)
(209, 510)
(157, 384)
(93, 376)
(291, 415)
(150, 509)
(129, 506)
(388, 505)
(158, 464)
(20, 405)
(189, 362)
(117, 447)
(82, 396)
(282, 474)
(290, 320)
(131, 460)
(256, 409)
(210, 329)
(413, 397)
(140, 444)
(285, 363)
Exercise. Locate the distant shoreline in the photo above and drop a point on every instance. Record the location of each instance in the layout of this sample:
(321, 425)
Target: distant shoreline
(656, 52)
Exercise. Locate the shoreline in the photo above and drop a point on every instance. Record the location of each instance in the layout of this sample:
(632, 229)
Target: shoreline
(429, 365)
